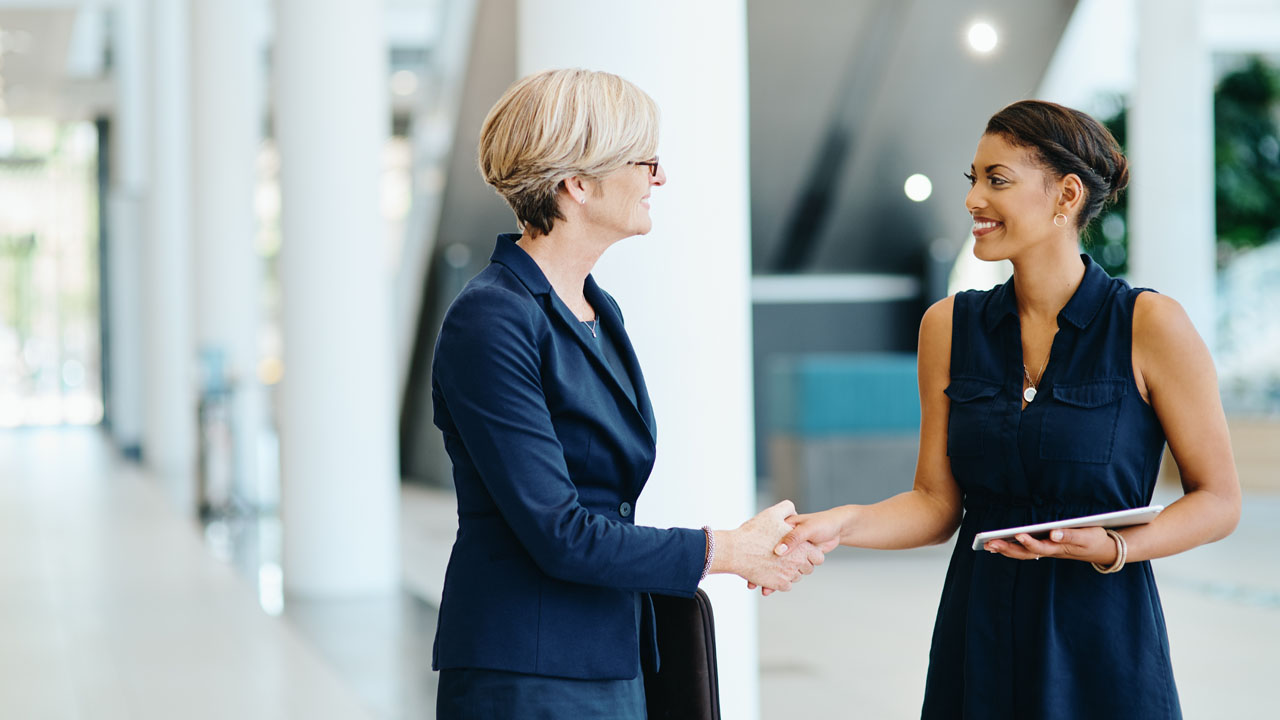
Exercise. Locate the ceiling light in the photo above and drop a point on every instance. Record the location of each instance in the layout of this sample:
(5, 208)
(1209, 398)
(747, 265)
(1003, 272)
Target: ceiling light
(404, 82)
(918, 187)
(982, 37)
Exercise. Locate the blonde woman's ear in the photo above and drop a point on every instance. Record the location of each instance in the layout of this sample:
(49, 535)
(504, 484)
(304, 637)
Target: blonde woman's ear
(577, 189)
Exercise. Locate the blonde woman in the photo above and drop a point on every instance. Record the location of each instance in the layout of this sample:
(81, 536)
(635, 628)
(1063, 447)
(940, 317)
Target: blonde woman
(538, 391)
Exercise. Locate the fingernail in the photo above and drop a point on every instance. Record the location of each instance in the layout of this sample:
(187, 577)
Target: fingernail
(1056, 535)
(780, 550)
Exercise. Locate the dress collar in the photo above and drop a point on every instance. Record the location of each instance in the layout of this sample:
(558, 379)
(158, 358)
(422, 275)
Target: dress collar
(1079, 310)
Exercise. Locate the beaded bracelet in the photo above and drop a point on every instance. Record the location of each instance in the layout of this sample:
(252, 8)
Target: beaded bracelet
(711, 551)
(1122, 551)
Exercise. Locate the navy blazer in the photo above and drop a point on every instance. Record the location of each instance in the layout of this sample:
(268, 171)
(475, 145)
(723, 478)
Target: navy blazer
(549, 456)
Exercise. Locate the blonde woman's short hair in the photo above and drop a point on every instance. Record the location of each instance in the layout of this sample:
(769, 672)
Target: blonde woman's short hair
(557, 124)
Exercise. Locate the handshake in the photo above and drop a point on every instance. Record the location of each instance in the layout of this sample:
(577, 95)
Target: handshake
(770, 551)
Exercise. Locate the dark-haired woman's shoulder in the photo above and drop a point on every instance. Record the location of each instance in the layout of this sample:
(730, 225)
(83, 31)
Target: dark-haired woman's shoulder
(1162, 327)
(1168, 354)
(934, 359)
(937, 320)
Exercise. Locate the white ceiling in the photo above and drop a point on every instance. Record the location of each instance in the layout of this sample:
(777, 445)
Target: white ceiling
(51, 63)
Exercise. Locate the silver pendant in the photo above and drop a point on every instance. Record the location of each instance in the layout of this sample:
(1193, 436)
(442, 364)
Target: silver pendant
(1029, 394)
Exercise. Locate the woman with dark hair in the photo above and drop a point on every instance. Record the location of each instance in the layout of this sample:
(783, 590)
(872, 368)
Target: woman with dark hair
(1045, 398)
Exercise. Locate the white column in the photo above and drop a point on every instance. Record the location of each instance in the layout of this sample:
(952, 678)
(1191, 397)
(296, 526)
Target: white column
(169, 444)
(684, 288)
(227, 115)
(338, 414)
(1172, 242)
(125, 225)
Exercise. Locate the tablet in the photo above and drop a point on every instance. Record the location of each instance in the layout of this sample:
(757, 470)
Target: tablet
(1119, 518)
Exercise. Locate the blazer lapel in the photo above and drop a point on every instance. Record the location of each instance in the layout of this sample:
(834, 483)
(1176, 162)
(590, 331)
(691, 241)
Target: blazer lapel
(575, 327)
(609, 314)
(518, 261)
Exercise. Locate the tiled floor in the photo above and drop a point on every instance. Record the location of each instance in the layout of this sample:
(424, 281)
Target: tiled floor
(113, 607)
(379, 647)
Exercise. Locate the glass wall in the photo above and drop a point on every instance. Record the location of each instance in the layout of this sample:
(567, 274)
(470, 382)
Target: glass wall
(50, 363)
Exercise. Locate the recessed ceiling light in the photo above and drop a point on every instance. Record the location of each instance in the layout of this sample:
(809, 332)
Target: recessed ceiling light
(404, 82)
(918, 187)
(982, 37)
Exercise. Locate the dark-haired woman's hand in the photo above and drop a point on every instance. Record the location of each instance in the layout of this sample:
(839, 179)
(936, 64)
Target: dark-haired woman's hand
(748, 551)
(1088, 544)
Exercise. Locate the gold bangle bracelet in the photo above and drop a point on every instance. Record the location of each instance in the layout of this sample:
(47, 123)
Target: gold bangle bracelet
(1122, 552)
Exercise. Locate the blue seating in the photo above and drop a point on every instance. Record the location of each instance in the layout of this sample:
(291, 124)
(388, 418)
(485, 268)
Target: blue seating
(843, 428)
(844, 394)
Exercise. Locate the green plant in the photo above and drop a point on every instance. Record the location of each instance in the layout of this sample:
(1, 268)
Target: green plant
(1246, 141)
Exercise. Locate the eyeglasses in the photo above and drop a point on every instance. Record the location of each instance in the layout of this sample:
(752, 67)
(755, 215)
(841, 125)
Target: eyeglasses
(653, 165)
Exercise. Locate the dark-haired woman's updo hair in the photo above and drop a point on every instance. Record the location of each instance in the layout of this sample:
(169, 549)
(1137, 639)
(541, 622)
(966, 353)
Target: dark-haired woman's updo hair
(1067, 141)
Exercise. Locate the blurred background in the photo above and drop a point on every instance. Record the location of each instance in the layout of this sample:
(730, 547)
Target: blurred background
(229, 230)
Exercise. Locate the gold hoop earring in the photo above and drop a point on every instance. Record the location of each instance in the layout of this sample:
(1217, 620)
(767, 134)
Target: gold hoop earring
(1060, 224)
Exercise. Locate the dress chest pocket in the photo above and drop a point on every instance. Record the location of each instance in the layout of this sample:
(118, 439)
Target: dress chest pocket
(1081, 420)
(971, 402)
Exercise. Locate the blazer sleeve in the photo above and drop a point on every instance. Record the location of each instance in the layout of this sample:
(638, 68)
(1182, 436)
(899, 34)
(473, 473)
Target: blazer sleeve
(487, 371)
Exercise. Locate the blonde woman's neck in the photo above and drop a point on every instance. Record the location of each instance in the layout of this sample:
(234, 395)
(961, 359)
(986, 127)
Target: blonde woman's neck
(566, 259)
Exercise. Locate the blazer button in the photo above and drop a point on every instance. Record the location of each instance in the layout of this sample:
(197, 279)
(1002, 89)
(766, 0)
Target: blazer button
(625, 509)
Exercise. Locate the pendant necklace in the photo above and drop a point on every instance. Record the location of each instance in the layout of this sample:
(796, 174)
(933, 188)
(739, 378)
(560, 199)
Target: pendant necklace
(1030, 393)
(594, 323)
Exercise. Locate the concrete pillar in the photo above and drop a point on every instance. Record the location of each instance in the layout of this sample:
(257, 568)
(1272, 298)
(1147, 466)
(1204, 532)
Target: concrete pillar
(227, 115)
(338, 413)
(1172, 242)
(123, 257)
(684, 288)
(169, 445)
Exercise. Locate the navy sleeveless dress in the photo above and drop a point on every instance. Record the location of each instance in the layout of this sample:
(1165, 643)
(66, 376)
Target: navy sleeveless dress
(1051, 638)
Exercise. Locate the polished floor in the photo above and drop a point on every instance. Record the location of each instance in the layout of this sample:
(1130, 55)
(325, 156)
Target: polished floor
(112, 606)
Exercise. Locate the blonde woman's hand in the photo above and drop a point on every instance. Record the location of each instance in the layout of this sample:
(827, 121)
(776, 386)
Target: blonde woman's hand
(748, 551)
(807, 557)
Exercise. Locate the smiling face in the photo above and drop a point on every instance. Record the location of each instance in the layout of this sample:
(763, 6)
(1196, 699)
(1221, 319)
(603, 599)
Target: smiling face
(619, 203)
(1011, 198)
